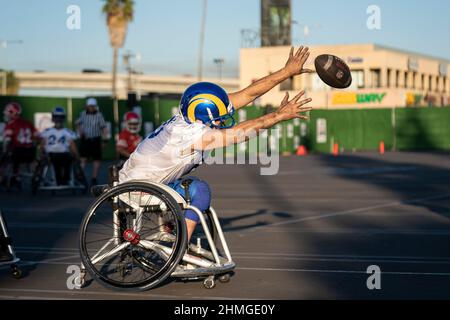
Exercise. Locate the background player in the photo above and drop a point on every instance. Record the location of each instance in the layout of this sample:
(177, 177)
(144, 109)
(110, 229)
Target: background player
(19, 140)
(129, 137)
(59, 144)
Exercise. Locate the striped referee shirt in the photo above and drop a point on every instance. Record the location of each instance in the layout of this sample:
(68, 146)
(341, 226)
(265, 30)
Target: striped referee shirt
(91, 124)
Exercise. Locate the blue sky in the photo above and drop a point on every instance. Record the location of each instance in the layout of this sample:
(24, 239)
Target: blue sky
(166, 32)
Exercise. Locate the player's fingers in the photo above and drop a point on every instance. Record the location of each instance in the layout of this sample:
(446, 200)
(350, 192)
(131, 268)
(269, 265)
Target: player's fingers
(304, 110)
(302, 117)
(307, 71)
(298, 51)
(286, 98)
(303, 52)
(305, 57)
(298, 96)
(291, 53)
(303, 102)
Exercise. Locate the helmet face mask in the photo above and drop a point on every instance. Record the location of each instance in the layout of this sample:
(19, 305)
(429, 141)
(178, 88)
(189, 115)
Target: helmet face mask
(12, 111)
(133, 126)
(224, 122)
(59, 117)
(132, 122)
(6, 116)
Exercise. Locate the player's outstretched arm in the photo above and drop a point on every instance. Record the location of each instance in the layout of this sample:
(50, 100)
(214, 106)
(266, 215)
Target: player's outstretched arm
(289, 109)
(293, 67)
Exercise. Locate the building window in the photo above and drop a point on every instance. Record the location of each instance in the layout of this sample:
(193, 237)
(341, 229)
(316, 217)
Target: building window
(414, 75)
(287, 85)
(358, 79)
(430, 83)
(437, 84)
(375, 75)
(397, 78)
(445, 85)
(388, 80)
(405, 80)
(423, 82)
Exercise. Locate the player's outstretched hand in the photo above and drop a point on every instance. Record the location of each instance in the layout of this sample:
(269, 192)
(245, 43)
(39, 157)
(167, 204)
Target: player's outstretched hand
(295, 63)
(291, 109)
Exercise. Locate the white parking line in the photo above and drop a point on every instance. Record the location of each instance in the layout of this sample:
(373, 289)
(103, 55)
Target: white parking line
(341, 213)
(441, 274)
(122, 294)
(363, 231)
(249, 255)
(341, 260)
(354, 259)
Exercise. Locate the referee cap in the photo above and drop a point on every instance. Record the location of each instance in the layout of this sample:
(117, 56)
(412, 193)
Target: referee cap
(91, 102)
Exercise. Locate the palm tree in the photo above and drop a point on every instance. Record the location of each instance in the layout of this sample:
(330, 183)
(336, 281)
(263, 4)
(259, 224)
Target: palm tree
(118, 14)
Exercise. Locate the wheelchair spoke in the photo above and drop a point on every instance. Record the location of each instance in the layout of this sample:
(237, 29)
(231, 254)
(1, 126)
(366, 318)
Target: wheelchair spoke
(111, 227)
(103, 239)
(140, 198)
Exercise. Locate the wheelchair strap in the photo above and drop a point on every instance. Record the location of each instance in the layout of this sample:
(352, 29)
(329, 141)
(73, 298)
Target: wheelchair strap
(185, 184)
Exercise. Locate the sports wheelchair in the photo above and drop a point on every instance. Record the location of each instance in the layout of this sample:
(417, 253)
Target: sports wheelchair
(44, 178)
(5, 242)
(7, 179)
(133, 237)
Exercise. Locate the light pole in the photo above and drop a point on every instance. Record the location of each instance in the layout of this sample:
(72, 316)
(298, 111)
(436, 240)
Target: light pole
(126, 61)
(219, 62)
(202, 41)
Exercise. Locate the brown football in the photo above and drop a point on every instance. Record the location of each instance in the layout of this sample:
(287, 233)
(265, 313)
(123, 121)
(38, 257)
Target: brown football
(333, 71)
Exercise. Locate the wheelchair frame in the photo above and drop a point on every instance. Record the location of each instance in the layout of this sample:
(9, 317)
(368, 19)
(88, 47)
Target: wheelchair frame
(48, 183)
(16, 272)
(204, 264)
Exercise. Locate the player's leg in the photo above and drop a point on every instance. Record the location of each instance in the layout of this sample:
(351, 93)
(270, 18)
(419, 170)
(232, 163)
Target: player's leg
(67, 162)
(83, 153)
(96, 153)
(57, 165)
(200, 196)
(16, 159)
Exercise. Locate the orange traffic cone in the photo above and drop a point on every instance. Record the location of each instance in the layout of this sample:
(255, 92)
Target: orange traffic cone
(335, 149)
(301, 151)
(381, 147)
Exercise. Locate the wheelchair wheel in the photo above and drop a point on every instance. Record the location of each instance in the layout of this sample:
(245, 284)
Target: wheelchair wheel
(79, 175)
(124, 241)
(37, 177)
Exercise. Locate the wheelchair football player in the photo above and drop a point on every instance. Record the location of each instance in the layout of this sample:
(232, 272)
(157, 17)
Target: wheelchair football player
(134, 236)
(58, 168)
(138, 231)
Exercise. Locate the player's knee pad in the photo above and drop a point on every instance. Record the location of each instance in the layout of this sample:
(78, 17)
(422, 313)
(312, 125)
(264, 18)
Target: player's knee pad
(199, 193)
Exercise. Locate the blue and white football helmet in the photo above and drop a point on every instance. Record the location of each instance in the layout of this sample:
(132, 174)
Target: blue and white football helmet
(208, 103)
(58, 114)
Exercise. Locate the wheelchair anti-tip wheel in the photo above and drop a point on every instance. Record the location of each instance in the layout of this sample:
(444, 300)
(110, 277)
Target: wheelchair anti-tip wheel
(133, 237)
(16, 272)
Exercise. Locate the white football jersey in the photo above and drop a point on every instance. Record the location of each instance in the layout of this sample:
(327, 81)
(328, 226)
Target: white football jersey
(160, 158)
(58, 140)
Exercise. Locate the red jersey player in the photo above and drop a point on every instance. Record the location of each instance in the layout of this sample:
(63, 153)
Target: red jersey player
(129, 137)
(19, 138)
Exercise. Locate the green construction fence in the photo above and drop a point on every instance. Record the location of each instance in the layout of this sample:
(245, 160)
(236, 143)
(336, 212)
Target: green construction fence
(353, 130)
